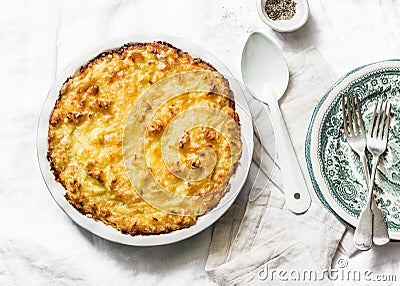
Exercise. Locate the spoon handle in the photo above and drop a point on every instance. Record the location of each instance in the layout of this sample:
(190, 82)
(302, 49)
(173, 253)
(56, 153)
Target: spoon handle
(297, 197)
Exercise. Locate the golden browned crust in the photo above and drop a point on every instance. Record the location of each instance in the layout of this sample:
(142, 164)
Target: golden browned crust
(86, 127)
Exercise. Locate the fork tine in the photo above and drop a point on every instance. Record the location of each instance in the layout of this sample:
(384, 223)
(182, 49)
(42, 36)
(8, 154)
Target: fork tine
(360, 120)
(387, 123)
(383, 120)
(350, 110)
(345, 119)
(375, 118)
(355, 115)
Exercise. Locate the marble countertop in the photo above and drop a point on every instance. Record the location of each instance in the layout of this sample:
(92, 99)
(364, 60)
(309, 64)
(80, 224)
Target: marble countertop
(39, 244)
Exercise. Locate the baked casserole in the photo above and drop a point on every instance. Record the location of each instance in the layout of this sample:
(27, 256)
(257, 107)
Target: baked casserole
(86, 137)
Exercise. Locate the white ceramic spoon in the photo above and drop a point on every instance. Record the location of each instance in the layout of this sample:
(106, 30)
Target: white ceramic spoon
(265, 71)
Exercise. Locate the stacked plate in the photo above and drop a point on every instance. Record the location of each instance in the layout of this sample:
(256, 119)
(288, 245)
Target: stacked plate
(336, 172)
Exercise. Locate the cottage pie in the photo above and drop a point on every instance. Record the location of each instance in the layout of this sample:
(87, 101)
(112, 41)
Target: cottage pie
(86, 130)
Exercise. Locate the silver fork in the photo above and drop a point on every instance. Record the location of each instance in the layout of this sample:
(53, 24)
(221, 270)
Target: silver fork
(356, 137)
(376, 144)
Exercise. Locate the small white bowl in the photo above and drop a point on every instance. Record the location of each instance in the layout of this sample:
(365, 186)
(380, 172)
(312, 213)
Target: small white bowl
(298, 20)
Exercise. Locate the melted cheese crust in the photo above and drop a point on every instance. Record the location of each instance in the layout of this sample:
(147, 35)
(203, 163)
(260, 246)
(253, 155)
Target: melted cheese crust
(86, 133)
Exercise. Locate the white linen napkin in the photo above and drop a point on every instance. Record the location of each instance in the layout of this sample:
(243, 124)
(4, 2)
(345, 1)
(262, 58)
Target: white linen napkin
(258, 236)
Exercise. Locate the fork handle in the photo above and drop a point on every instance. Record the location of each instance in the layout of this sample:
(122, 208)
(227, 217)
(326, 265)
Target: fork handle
(380, 235)
(379, 227)
(371, 222)
(363, 233)
(371, 182)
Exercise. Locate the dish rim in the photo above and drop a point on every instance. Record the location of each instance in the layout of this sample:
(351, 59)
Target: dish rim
(99, 228)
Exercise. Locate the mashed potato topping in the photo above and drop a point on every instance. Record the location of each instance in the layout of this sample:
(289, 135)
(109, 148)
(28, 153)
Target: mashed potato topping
(86, 132)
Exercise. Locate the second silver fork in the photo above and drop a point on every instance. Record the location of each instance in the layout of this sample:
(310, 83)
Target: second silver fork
(376, 144)
(371, 226)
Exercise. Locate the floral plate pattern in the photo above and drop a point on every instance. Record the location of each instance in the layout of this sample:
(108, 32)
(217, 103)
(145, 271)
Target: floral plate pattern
(335, 170)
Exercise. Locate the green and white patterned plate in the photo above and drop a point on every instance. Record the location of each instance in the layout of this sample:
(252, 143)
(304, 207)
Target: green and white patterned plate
(336, 171)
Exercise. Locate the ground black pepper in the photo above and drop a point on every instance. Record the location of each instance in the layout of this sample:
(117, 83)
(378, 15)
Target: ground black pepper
(280, 9)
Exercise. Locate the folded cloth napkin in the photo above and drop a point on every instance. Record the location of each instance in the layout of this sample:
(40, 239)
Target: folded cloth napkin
(259, 239)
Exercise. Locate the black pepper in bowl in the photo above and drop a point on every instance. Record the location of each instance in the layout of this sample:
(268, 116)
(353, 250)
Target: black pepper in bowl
(280, 9)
